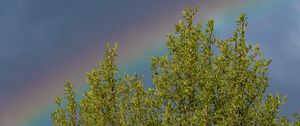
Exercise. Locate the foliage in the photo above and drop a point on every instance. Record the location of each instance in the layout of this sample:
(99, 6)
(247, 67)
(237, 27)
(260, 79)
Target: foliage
(202, 80)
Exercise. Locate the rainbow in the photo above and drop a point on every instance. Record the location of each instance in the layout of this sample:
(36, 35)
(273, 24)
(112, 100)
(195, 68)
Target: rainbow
(33, 105)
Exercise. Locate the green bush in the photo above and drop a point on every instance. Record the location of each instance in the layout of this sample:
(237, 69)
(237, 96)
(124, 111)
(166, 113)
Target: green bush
(202, 80)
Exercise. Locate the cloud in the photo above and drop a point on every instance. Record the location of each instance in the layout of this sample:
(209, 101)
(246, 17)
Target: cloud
(294, 47)
(283, 47)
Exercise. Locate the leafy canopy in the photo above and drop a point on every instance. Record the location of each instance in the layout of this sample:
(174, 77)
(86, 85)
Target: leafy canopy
(202, 80)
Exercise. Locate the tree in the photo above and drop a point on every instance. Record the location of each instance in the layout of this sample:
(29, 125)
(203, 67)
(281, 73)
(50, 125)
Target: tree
(202, 80)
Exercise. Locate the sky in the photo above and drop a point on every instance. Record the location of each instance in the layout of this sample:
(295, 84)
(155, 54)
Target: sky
(44, 43)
